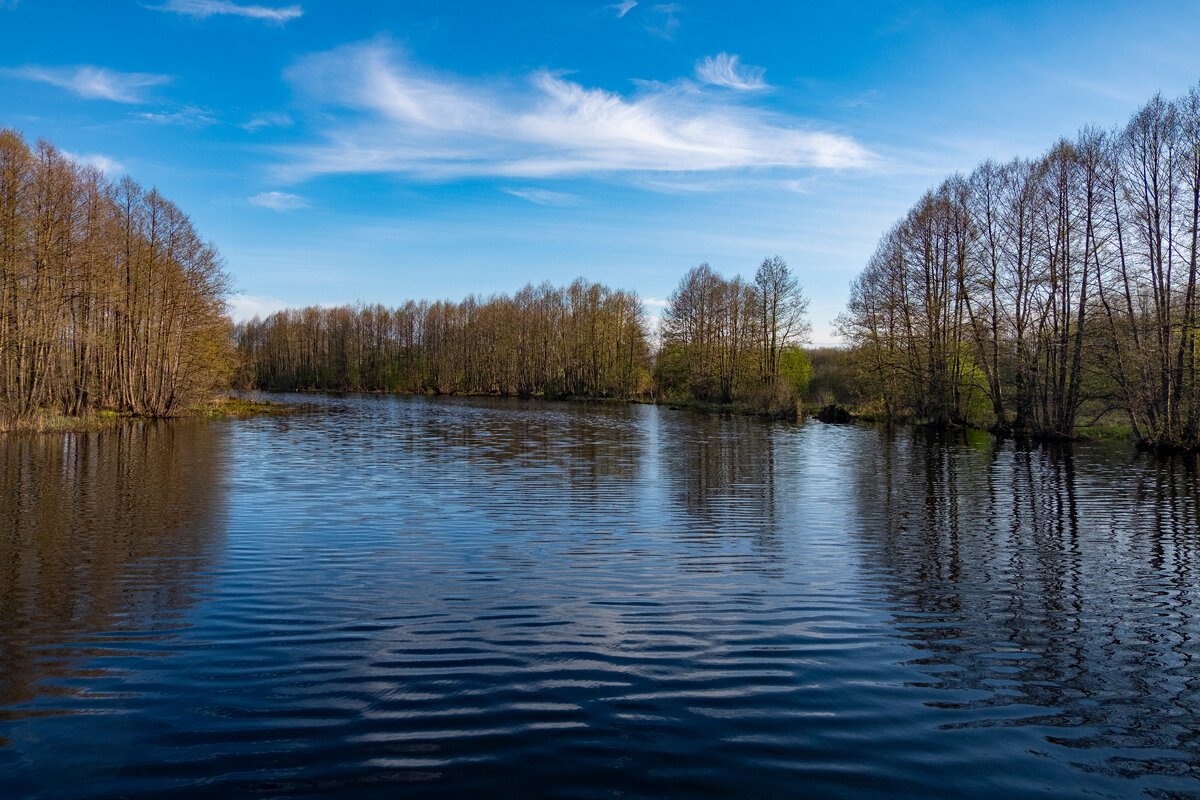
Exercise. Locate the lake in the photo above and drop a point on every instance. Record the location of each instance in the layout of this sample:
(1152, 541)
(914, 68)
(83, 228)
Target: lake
(398, 596)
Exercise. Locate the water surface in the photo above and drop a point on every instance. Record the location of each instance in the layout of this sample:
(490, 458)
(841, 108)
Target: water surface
(407, 596)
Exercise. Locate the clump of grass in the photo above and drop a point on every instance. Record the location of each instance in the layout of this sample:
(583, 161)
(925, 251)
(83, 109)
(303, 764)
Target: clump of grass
(1107, 432)
(224, 407)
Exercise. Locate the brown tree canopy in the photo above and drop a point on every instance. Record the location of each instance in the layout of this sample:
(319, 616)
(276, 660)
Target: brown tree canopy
(728, 340)
(584, 340)
(108, 297)
(1038, 288)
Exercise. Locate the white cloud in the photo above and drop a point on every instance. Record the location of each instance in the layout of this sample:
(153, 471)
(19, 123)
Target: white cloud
(725, 70)
(544, 197)
(188, 115)
(798, 186)
(654, 309)
(109, 166)
(202, 9)
(245, 307)
(94, 83)
(410, 121)
(268, 120)
(664, 22)
(623, 8)
(278, 201)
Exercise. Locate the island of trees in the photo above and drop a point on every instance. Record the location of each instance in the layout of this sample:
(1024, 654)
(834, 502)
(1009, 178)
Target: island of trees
(1033, 295)
(108, 298)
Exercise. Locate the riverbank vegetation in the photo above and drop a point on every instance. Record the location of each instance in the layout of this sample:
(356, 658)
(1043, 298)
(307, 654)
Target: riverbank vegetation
(110, 303)
(579, 340)
(1038, 296)
(222, 406)
(723, 341)
(732, 342)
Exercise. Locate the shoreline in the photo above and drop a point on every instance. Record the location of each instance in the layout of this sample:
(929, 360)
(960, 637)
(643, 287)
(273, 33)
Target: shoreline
(235, 407)
(222, 407)
(677, 404)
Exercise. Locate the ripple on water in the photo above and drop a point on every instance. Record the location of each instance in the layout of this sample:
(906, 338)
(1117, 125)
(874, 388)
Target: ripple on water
(586, 601)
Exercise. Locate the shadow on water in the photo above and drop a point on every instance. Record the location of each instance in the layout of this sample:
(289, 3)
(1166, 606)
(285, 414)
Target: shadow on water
(1053, 589)
(103, 541)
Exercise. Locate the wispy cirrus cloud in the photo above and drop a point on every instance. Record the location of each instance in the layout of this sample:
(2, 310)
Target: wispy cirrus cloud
(189, 116)
(623, 8)
(93, 83)
(407, 120)
(663, 21)
(202, 9)
(727, 70)
(268, 120)
(278, 201)
(543, 197)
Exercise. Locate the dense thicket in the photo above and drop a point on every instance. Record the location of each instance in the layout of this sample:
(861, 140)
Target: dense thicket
(584, 339)
(108, 298)
(726, 340)
(1026, 291)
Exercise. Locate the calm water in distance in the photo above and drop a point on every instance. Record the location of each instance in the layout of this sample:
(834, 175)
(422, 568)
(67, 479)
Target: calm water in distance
(413, 597)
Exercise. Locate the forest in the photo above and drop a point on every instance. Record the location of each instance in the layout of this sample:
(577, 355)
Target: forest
(1036, 295)
(583, 339)
(722, 341)
(110, 300)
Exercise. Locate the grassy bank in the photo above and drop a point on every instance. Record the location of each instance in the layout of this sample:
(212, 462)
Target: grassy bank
(46, 421)
(51, 422)
(240, 407)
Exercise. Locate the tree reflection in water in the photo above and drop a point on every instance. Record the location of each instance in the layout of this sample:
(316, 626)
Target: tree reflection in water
(1045, 589)
(104, 538)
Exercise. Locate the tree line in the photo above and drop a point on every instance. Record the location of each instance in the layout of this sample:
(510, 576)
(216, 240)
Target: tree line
(1031, 292)
(721, 340)
(108, 297)
(583, 339)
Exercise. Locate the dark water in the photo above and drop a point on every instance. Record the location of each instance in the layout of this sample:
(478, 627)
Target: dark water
(438, 598)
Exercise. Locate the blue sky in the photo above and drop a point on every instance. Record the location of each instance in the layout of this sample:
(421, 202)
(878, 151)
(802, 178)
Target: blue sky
(380, 151)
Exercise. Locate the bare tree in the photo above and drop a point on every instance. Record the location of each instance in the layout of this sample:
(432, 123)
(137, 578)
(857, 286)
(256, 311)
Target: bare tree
(110, 299)
(783, 312)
